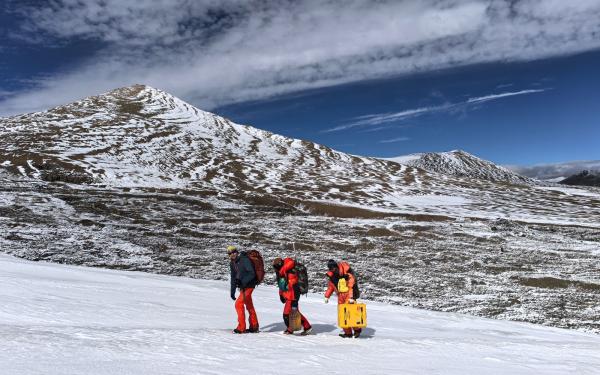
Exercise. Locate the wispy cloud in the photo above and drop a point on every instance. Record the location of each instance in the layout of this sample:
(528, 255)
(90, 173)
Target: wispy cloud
(216, 52)
(487, 98)
(393, 140)
(382, 118)
(384, 127)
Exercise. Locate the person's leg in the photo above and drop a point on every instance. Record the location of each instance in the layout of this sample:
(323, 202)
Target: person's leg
(250, 307)
(239, 308)
(305, 323)
(287, 308)
(343, 298)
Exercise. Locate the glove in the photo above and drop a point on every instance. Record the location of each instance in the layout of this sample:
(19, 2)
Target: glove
(351, 300)
(233, 296)
(326, 300)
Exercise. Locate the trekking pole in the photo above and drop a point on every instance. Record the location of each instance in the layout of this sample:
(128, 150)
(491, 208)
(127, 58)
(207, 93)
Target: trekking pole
(294, 247)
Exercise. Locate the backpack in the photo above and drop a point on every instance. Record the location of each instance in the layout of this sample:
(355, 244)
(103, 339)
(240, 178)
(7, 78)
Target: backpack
(355, 290)
(259, 265)
(300, 271)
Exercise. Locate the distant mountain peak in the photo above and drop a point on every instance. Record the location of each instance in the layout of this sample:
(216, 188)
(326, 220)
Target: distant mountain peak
(583, 178)
(460, 163)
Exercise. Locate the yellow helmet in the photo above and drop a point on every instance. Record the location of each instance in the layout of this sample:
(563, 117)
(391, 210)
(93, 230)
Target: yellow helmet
(231, 249)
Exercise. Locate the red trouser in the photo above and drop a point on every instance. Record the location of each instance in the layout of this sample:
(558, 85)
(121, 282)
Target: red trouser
(287, 309)
(245, 298)
(343, 298)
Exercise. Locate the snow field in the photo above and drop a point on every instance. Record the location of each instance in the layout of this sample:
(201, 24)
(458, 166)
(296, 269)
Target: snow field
(57, 319)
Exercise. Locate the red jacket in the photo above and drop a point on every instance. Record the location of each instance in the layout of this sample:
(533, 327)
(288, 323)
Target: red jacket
(291, 278)
(343, 269)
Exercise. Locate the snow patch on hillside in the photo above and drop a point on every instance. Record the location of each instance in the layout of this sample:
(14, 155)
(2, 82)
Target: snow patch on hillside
(427, 200)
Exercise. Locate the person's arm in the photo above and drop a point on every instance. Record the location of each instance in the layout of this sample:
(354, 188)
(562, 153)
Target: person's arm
(288, 264)
(290, 294)
(233, 281)
(330, 288)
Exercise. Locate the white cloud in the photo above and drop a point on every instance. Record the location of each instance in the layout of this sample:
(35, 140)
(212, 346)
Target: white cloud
(487, 98)
(383, 118)
(216, 52)
(393, 140)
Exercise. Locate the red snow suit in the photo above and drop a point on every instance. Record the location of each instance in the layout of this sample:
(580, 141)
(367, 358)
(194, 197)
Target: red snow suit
(290, 296)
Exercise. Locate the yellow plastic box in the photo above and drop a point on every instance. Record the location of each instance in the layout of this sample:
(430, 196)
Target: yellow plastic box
(352, 315)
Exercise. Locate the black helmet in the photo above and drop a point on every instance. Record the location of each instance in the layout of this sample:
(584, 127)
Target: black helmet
(331, 264)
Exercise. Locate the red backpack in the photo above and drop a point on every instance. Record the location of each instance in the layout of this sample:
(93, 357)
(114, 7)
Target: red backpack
(259, 265)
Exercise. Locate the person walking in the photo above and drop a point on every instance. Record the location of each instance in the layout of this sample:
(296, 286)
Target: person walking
(289, 293)
(341, 280)
(243, 276)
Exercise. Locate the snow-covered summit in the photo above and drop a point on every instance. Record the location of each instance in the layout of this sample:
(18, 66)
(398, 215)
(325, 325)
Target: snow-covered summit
(141, 136)
(462, 164)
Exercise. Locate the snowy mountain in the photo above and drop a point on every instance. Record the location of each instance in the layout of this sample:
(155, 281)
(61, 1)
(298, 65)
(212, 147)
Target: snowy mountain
(57, 319)
(459, 163)
(583, 178)
(142, 137)
(137, 179)
(555, 172)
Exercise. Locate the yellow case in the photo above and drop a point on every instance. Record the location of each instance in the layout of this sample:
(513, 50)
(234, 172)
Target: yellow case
(352, 315)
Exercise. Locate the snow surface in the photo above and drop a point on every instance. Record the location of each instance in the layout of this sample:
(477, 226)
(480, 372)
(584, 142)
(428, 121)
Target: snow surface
(405, 159)
(57, 319)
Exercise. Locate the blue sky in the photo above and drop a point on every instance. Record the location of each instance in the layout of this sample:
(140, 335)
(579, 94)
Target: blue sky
(544, 111)
(514, 82)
